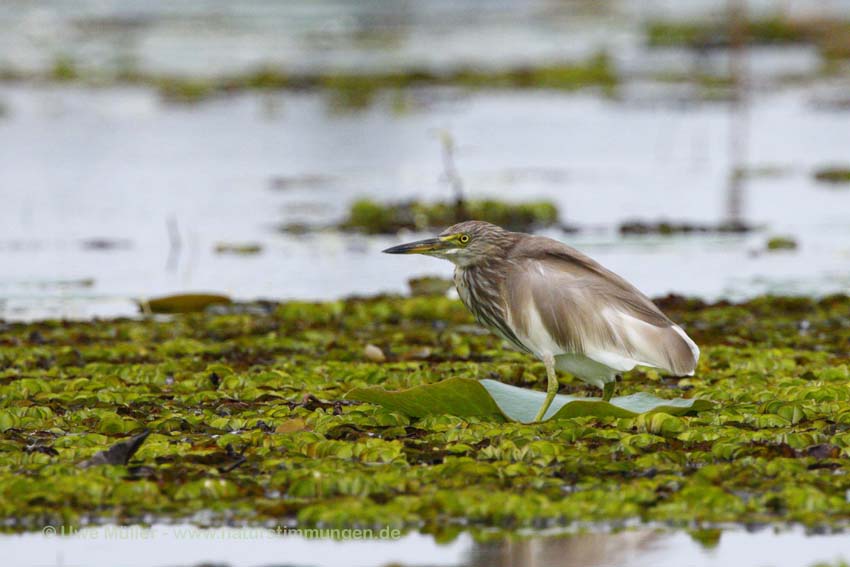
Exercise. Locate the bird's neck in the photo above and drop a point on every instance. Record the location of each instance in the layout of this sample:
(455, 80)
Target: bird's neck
(486, 273)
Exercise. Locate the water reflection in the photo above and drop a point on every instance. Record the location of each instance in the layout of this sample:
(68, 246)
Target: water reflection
(187, 546)
(581, 550)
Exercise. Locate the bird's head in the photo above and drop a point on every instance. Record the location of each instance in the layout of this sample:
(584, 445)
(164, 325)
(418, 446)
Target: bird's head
(464, 244)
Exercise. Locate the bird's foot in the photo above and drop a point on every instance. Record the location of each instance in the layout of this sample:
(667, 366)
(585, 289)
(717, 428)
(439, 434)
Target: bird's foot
(608, 391)
(551, 387)
(545, 406)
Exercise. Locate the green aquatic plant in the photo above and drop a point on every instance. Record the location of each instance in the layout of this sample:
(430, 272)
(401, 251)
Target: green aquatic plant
(830, 36)
(781, 243)
(183, 91)
(372, 217)
(833, 175)
(493, 400)
(346, 90)
(249, 422)
(64, 69)
(239, 248)
(768, 31)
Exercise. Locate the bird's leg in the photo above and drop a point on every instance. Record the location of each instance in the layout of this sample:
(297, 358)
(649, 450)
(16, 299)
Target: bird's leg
(551, 386)
(608, 391)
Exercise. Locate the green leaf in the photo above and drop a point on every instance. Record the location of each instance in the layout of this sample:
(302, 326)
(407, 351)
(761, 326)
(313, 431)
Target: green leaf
(8, 420)
(183, 303)
(212, 488)
(455, 396)
(490, 399)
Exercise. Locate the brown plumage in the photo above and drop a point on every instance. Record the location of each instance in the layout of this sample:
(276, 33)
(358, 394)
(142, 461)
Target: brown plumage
(550, 300)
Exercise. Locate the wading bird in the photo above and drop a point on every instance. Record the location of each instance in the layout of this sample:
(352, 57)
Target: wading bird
(552, 301)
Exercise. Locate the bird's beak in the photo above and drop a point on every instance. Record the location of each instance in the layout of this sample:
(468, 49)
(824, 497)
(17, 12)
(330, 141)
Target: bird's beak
(426, 246)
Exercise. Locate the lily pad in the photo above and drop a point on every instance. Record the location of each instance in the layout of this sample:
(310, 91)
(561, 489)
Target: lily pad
(464, 397)
(183, 303)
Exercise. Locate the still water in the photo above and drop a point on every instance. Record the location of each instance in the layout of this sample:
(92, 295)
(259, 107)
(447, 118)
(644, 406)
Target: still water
(185, 546)
(93, 178)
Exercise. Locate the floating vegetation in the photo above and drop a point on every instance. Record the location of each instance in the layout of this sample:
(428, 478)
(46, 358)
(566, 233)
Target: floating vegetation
(669, 228)
(761, 172)
(358, 90)
(239, 249)
(490, 399)
(372, 217)
(781, 243)
(249, 422)
(64, 70)
(350, 90)
(185, 91)
(833, 175)
(81, 283)
(770, 31)
(831, 37)
(183, 303)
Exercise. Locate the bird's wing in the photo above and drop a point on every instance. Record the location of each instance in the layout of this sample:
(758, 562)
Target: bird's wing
(587, 309)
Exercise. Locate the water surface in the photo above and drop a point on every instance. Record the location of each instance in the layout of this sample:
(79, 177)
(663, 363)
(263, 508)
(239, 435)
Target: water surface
(182, 545)
(94, 177)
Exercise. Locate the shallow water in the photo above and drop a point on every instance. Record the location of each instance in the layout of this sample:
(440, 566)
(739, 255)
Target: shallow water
(119, 164)
(182, 545)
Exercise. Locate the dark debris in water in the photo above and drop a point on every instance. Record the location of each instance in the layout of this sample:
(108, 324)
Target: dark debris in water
(183, 303)
(106, 244)
(119, 454)
(248, 423)
(669, 228)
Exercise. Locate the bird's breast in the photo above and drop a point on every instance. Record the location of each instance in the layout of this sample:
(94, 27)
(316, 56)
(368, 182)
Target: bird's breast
(470, 294)
(480, 293)
(461, 286)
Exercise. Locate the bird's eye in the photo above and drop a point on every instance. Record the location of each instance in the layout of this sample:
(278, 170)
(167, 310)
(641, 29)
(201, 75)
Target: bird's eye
(464, 238)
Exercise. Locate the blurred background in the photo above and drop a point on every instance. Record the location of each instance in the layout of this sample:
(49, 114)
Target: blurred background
(264, 149)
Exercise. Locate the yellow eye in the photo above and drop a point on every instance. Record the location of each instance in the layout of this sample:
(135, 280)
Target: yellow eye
(464, 238)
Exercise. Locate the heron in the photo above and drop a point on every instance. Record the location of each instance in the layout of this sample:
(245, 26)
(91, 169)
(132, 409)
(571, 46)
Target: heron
(551, 301)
